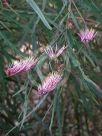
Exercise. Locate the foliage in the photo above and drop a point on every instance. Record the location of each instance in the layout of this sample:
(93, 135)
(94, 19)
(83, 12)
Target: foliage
(27, 27)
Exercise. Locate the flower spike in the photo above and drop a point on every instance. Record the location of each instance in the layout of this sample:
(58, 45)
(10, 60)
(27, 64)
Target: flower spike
(54, 53)
(50, 83)
(22, 66)
(87, 35)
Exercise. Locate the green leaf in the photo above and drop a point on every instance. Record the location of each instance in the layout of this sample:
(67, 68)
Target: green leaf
(40, 14)
(94, 87)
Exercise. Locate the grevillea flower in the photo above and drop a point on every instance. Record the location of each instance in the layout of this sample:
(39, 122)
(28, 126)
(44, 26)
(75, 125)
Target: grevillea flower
(22, 66)
(50, 83)
(87, 35)
(54, 53)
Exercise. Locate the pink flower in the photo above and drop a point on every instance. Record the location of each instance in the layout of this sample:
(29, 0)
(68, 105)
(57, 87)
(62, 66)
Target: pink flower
(50, 83)
(22, 66)
(54, 53)
(87, 35)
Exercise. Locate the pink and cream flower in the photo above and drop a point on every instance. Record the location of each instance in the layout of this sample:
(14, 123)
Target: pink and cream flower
(54, 53)
(50, 83)
(87, 35)
(21, 66)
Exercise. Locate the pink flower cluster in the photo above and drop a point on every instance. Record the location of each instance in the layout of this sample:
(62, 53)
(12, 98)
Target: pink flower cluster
(87, 35)
(50, 83)
(54, 53)
(22, 66)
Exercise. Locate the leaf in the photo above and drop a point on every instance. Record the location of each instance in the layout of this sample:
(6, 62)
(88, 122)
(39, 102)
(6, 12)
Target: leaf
(74, 20)
(40, 14)
(94, 87)
(54, 108)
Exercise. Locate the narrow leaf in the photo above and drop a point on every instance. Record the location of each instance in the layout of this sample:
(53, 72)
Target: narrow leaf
(40, 14)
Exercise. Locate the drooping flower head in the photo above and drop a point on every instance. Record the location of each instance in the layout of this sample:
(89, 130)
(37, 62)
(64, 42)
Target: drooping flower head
(54, 53)
(87, 35)
(22, 66)
(50, 83)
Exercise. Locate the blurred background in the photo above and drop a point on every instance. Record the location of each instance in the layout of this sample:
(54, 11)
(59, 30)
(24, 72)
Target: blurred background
(74, 108)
